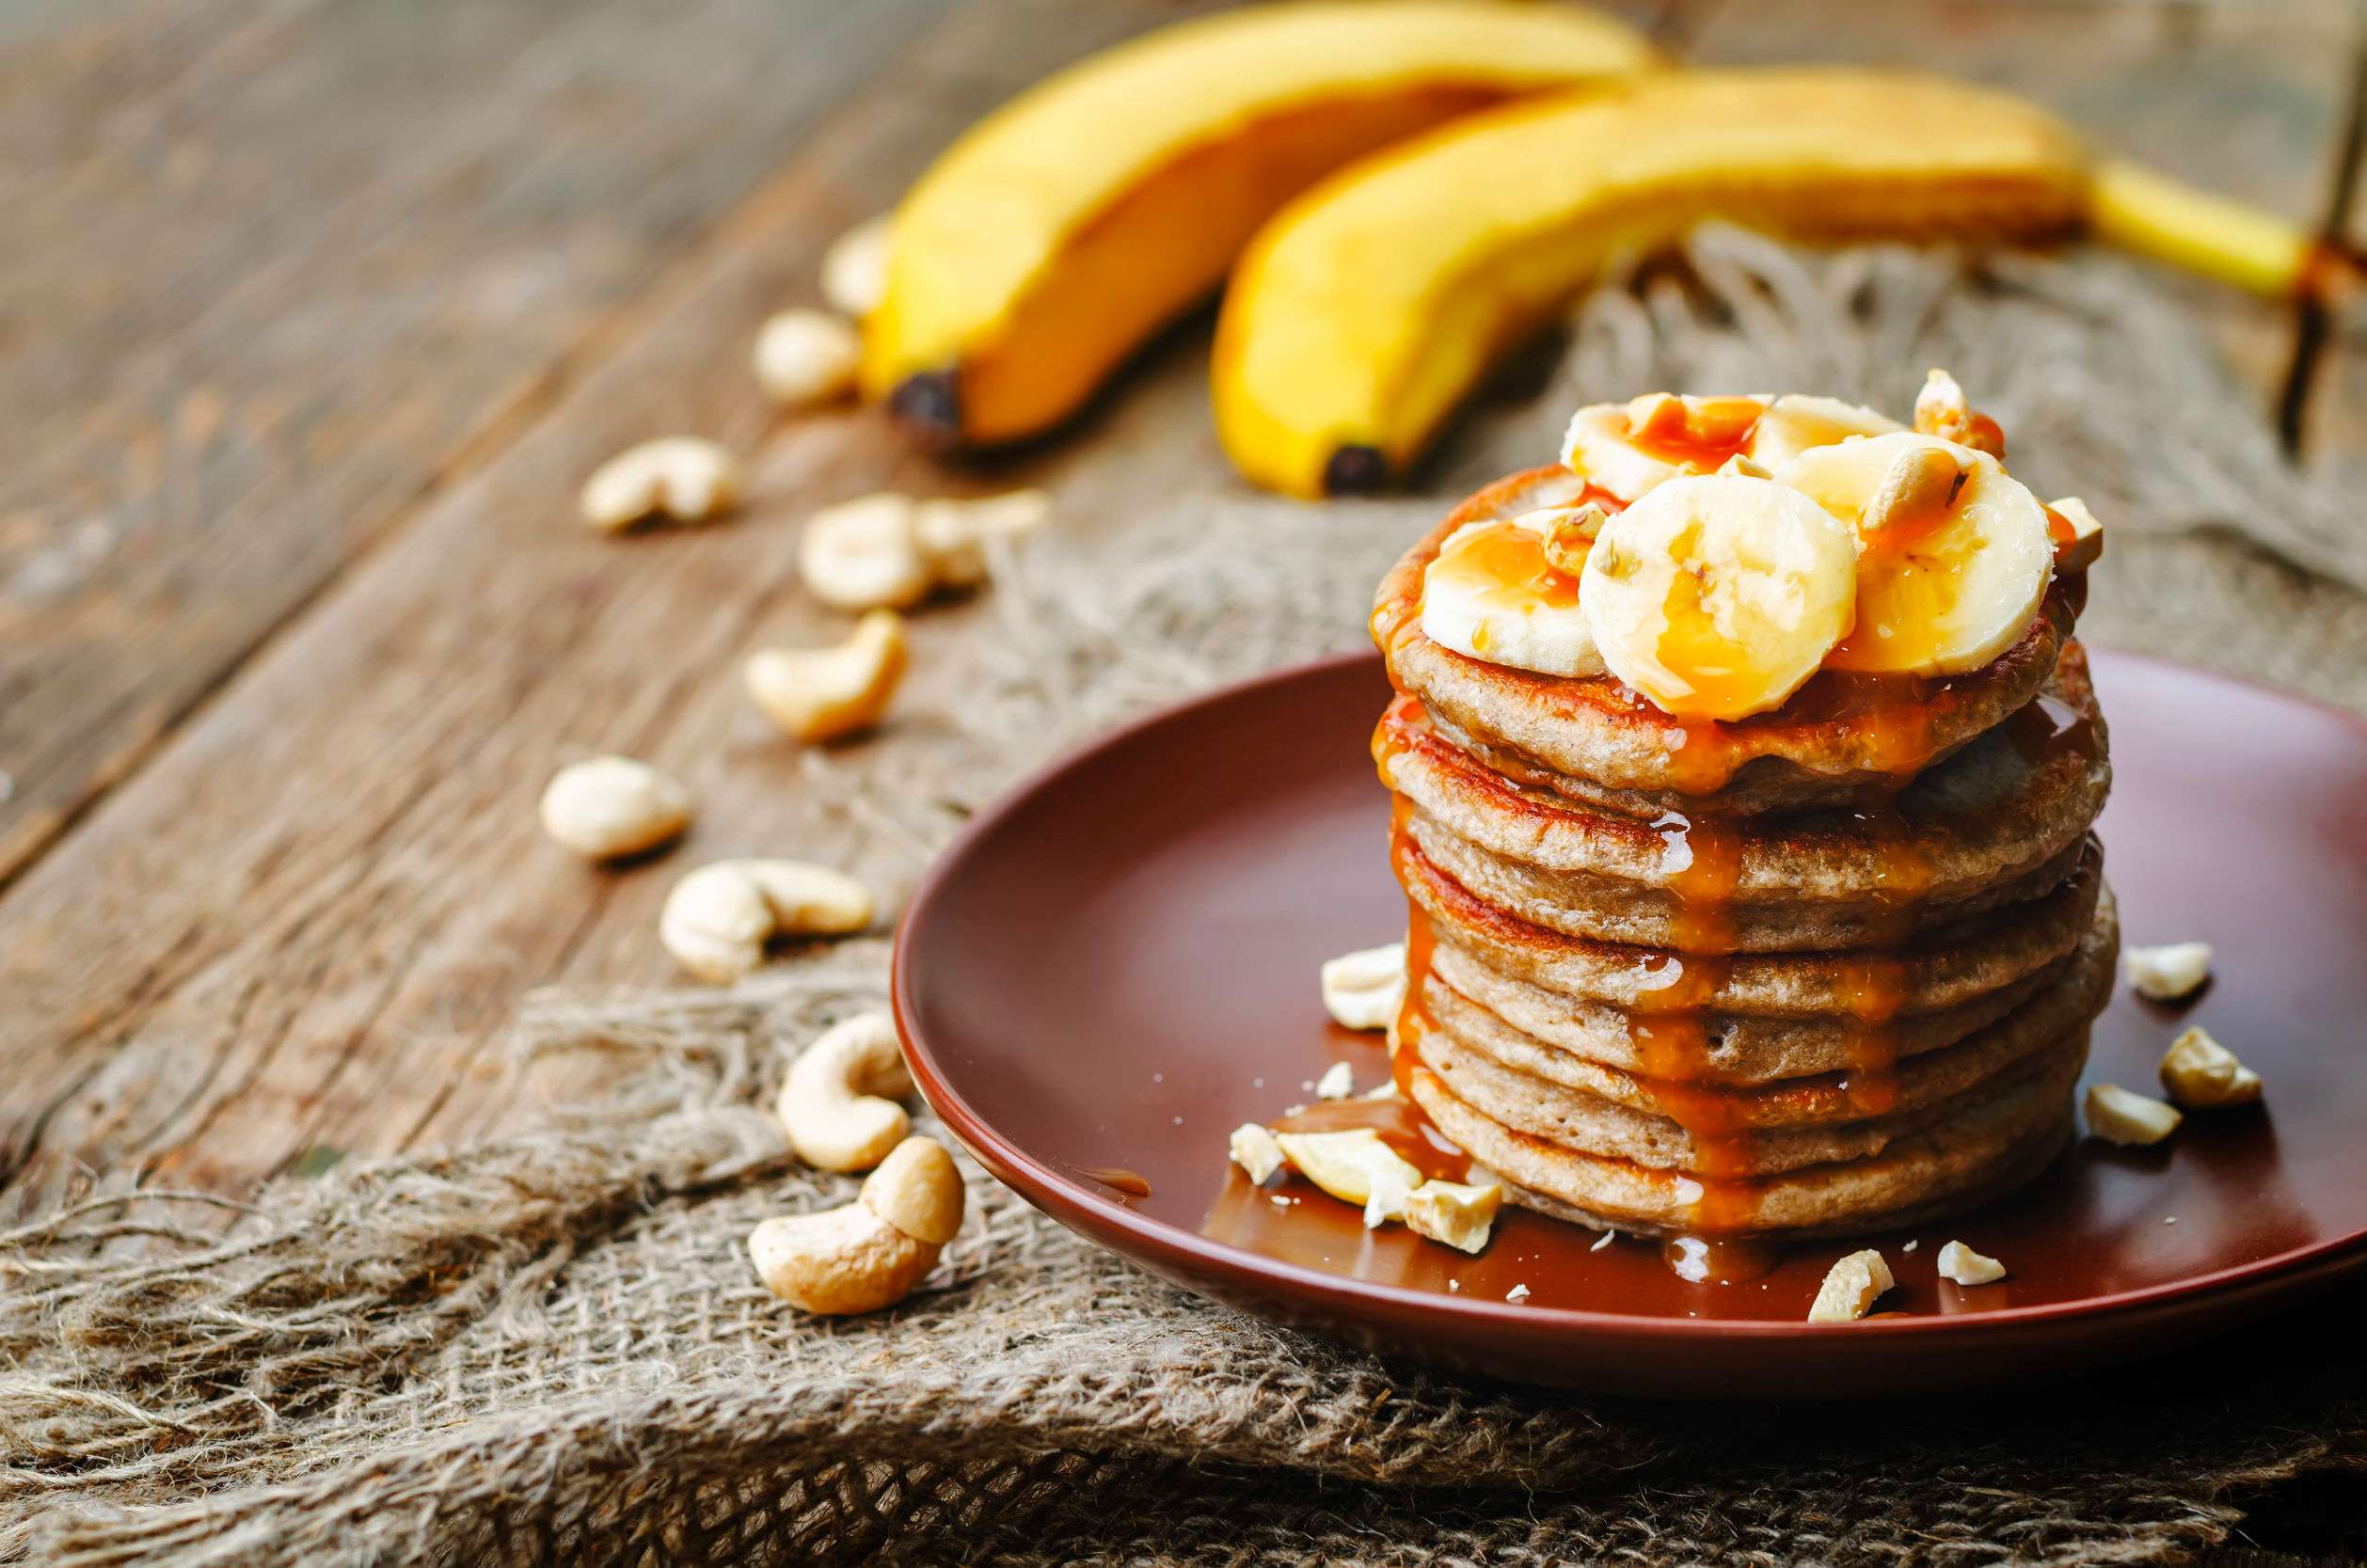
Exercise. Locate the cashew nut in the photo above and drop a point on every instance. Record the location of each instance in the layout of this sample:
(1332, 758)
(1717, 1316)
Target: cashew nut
(1253, 1149)
(1850, 1288)
(855, 268)
(2201, 1074)
(862, 1257)
(865, 554)
(1962, 1264)
(805, 357)
(2131, 1120)
(2167, 972)
(716, 919)
(954, 534)
(682, 477)
(610, 806)
(1364, 989)
(839, 1102)
(1354, 1166)
(1460, 1213)
(821, 693)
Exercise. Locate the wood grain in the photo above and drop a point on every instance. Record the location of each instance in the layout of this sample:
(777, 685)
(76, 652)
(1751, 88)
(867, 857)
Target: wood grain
(297, 928)
(274, 274)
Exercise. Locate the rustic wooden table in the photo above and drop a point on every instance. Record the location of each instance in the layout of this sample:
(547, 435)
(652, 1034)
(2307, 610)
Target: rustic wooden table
(312, 318)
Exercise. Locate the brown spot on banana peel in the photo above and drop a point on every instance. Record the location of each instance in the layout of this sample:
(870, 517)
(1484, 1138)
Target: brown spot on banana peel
(927, 407)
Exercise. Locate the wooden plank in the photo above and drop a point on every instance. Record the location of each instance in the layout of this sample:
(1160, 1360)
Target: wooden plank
(326, 959)
(272, 275)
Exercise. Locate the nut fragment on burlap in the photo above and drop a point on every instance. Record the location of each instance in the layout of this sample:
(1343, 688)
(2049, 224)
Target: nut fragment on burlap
(552, 1348)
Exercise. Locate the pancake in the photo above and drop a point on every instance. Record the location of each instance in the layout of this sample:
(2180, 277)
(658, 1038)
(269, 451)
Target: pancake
(1454, 1029)
(1999, 822)
(1933, 970)
(1750, 1049)
(1999, 1141)
(1840, 740)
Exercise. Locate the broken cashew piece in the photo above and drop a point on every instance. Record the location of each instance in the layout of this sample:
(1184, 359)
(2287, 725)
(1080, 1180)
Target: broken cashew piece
(1965, 1266)
(1459, 1214)
(1364, 989)
(838, 1105)
(716, 919)
(1337, 1081)
(1850, 1288)
(608, 806)
(805, 357)
(855, 268)
(2131, 1120)
(818, 694)
(1253, 1149)
(2168, 973)
(680, 477)
(956, 536)
(2201, 1074)
(871, 1253)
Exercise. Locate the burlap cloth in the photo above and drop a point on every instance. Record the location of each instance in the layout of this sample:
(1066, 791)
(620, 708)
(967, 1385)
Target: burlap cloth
(551, 1349)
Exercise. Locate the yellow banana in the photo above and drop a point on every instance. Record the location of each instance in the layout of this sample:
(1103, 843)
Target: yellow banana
(1361, 315)
(1069, 224)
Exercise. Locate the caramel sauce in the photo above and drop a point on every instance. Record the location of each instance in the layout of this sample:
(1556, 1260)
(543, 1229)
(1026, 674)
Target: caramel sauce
(1131, 1182)
(1671, 1026)
(1683, 450)
(1506, 564)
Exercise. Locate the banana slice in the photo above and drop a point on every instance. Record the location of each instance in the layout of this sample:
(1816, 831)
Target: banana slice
(1796, 421)
(1628, 448)
(1956, 555)
(1717, 595)
(1506, 590)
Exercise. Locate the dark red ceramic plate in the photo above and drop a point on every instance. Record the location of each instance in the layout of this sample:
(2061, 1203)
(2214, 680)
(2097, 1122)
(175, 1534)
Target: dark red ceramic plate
(1116, 965)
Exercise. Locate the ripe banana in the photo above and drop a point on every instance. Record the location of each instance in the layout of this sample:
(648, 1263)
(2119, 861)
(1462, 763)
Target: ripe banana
(1717, 595)
(1066, 227)
(1363, 312)
(1955, 554)
(1506, 590)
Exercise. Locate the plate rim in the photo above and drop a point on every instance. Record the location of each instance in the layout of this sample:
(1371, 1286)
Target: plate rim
(1071, 1201)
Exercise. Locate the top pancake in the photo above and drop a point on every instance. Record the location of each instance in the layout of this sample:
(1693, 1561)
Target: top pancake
(1839, 740)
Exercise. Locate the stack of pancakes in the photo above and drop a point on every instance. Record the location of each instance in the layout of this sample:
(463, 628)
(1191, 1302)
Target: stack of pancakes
(1824, 970)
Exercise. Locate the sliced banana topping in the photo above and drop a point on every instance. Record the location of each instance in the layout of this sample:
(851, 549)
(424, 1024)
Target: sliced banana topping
(1717, 595)
(1956, 554)
(1796, 421)
(1626, 449)
(1506, 590)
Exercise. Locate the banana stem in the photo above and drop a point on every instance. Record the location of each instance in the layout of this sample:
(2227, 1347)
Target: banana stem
(2152, 214)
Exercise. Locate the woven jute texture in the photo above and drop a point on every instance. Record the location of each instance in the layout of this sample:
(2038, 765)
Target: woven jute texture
(551, 1349)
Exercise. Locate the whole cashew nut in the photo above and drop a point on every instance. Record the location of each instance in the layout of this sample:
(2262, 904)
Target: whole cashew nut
(855, 268)
(805, 357)
(862, 1257)
(682, 477)
(716, 919)
(604, 807)
(818, 694)
(839, 1104)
